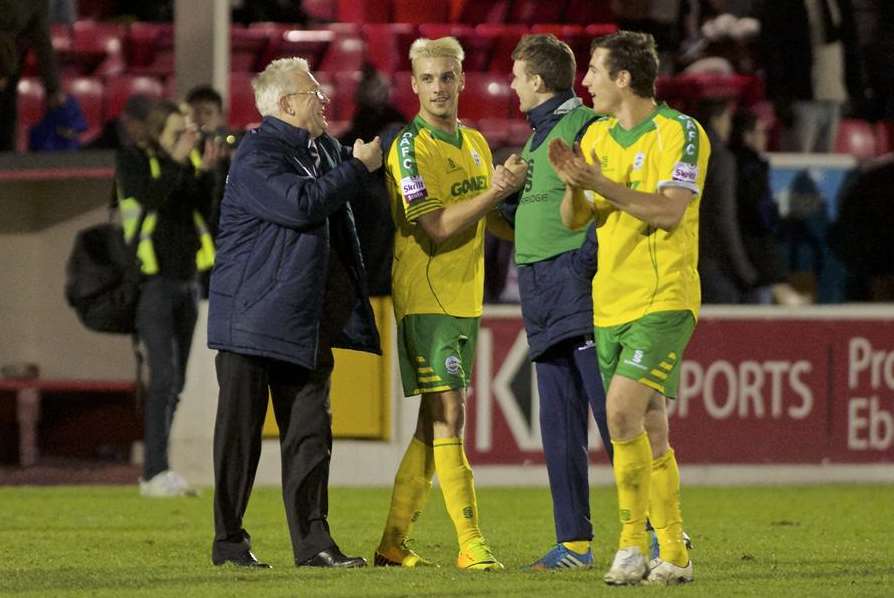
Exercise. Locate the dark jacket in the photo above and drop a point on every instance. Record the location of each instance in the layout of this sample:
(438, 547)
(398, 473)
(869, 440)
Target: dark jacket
(723, 262)
(556, 294)
(758, 216)
(174, 195)
(788, 55)
(277, 224)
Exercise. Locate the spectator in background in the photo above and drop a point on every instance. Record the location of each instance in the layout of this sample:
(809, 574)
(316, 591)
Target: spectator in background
(375, 116)
(875, 30)
(812, 63)
(168, 197)
(723, 264)
(24, 24)
(657, 17)
(861, 237)
(63, 11)
(129, 128)
(206, 112)
(758, 214)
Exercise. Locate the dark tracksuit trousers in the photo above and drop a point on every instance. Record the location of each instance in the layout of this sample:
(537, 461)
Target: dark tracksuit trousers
(558, 314)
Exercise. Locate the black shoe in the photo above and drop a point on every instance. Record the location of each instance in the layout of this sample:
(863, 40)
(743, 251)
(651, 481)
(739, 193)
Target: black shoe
(333, 557)
(246, 559)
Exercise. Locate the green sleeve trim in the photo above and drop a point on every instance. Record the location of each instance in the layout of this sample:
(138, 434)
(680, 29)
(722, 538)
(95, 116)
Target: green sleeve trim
(430, 205)
(405, 147)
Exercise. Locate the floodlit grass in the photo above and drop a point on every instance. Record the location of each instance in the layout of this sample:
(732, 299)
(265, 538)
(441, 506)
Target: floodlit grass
(767, 541)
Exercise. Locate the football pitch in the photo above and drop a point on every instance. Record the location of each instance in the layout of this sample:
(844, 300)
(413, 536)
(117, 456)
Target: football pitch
(749, 541)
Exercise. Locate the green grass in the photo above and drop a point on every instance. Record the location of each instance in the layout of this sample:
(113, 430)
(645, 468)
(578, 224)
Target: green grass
(773, 541)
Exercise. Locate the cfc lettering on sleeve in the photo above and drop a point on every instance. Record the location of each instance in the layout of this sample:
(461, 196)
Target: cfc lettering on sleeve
(413, 188)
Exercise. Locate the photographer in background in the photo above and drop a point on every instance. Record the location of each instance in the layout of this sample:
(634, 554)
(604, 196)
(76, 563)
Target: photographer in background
(206, 112)
(169, 186)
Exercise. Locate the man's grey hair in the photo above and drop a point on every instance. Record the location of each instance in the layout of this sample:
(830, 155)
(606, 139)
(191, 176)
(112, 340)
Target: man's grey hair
(274, 83)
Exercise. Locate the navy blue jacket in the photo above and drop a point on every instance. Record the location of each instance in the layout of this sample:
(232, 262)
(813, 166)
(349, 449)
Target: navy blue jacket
(556, 293)
(277, 220)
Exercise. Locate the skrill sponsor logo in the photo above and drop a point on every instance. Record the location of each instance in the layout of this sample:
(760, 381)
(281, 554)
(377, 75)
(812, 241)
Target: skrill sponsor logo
(685, 173)
(413, 188)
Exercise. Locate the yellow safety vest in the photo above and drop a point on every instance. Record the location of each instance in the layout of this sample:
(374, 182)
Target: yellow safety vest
(130, 214)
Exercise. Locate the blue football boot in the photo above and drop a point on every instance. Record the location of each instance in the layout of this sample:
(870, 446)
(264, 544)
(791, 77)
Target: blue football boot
(560, 557)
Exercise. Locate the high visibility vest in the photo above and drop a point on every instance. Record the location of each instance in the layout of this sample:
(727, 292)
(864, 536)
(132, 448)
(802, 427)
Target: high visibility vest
(130, 209)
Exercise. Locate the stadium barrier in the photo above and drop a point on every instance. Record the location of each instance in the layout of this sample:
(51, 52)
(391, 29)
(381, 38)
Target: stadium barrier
(767, 395)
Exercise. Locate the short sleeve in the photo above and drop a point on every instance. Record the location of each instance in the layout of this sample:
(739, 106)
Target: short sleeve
(679, 162)
(418, 180)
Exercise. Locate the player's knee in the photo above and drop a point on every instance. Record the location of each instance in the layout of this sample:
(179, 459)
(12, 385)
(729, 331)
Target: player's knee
(623, 425)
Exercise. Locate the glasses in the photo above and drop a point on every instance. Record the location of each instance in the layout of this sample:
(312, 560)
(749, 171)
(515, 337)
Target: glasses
(321, 95)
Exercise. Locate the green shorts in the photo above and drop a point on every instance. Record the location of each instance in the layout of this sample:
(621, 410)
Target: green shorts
(435, 352)
(648, 350)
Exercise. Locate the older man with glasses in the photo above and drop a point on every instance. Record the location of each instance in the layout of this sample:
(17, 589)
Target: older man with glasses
(288, 286)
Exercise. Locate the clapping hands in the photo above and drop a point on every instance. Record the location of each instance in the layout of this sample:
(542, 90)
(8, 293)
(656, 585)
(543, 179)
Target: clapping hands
(572, 168)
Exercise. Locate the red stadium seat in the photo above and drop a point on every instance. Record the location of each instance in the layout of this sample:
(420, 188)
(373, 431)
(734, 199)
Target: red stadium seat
(388, 45)
(402, 95)
(589, 11)
(486, 95)
(504, 39)
(151, 49)
(856, 137)
(60, 37)
(475, 12)
(320, 10)
(364, 11)
(495, 130)
(310, 45)
(118, 89)
(574, 36)
(99, 47)
(30, 108)
(478, 48)
(884, 136)
(247, 48)
(343, 103)
(414, 11)
(536, 11)
(600, 29)
(242, 109)
(345, 54)
(88, 91)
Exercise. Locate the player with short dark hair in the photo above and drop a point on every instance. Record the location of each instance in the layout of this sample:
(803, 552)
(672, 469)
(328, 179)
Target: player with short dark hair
(639, 172)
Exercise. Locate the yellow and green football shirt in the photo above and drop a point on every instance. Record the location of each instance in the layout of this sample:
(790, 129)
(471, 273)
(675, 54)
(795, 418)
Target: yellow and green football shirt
(642, 269)
(428, 169)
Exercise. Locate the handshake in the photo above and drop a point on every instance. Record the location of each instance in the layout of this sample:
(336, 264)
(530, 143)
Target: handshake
(509, 176)
(369, 153)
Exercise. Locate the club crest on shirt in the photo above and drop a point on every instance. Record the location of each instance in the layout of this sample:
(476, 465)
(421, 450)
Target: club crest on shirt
(453, 365)
(476, 158)
(413, 188)
(684, 172)
(639, 160)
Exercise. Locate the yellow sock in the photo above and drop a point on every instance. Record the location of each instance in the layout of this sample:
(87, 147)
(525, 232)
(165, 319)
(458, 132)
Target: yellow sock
(411, 489)
(664, 509)
(458, 487)
(633, 470)
(578, 546)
